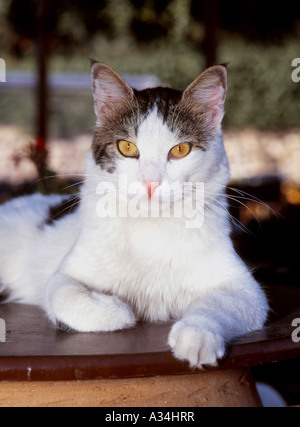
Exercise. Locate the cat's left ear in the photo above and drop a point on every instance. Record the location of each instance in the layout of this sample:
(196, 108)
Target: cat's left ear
(206, 95)
(110, 90)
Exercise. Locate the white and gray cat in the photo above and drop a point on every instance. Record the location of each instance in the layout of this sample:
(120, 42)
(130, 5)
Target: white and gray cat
(92, 272)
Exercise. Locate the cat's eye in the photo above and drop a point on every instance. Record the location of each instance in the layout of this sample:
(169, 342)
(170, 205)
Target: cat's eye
(128, 149)
(180, 151)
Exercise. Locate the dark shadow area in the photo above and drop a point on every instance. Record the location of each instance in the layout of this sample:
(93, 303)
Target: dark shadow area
(59, 186)
(270, 245)
(271, 248)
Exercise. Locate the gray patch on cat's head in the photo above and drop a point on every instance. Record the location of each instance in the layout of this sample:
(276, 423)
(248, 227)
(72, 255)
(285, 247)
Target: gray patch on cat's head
(176, 113)
(186, 115)
(124, 124)
(121, 126)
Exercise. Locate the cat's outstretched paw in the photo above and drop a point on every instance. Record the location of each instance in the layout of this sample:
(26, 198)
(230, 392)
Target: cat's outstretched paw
(199, 346)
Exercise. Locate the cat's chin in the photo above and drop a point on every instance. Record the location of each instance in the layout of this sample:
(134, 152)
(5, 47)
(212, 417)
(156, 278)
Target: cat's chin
(154, 209)
(146, 207)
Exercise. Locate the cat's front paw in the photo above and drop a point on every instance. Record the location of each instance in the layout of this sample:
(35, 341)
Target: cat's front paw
(198, 345)
(70, 304)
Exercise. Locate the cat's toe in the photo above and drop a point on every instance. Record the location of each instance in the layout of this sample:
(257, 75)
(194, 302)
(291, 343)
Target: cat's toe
(111, 314)
(196, 345)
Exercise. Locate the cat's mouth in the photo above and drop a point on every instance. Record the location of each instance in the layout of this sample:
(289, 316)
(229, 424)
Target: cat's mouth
(152, 204)
(154, 193)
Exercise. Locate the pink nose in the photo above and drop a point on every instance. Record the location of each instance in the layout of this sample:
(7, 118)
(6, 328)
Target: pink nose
(151, 186)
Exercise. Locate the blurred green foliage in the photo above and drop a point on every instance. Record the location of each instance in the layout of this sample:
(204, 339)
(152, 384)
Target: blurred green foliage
(160, 37)
(261, 91)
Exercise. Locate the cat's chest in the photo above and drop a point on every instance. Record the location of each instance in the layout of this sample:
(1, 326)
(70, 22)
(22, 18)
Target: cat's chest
(159, 243)
(157, 271)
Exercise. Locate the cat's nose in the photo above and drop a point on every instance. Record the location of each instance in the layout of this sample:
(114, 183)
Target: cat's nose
(151, 187)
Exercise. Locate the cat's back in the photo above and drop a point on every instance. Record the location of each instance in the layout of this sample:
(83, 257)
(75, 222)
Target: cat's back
(29, 209)
(37, 207)
(35, 233)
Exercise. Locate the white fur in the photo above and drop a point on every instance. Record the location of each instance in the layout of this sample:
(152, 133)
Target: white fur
(101, 274)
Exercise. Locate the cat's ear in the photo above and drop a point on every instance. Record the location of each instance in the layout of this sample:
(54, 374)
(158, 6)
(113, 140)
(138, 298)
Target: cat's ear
(110, 91)
(206, 95)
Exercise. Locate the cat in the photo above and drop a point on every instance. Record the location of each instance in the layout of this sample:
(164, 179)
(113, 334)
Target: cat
(97, 272)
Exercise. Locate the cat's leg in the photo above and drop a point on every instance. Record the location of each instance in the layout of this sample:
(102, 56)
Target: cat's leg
(70, 303)
(211, 322)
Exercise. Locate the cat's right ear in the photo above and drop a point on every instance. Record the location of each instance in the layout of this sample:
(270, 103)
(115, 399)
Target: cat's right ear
(110, 91)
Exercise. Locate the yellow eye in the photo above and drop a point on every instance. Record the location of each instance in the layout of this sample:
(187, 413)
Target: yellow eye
(128, 149)
(180, 151)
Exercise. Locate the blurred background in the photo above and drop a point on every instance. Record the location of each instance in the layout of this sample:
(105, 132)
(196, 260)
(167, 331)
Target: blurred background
(47, 118)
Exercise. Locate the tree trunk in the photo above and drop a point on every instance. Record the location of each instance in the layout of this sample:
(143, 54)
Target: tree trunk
(211, 22)
(42, 90)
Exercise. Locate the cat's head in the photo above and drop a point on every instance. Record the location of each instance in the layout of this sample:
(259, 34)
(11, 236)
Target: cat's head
(160, 136)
